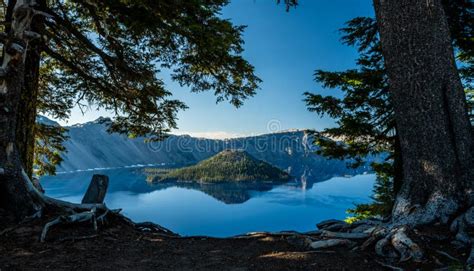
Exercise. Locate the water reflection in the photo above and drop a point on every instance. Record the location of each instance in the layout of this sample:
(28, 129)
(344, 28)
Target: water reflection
(223, 209)
(134, 181)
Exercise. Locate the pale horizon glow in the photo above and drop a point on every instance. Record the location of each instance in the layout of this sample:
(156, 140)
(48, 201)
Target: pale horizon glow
(212, 134)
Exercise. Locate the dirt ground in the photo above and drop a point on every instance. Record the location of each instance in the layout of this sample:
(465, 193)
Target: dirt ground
(118, 246)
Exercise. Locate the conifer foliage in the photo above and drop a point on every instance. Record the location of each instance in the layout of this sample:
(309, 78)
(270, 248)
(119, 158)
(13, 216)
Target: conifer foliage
(114, 54)
(365, 118)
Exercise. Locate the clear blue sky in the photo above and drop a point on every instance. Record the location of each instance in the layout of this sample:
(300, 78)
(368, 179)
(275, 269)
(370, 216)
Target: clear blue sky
(285, 49)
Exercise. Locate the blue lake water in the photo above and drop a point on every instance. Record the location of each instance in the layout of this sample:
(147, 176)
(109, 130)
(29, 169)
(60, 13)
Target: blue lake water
(220, 209)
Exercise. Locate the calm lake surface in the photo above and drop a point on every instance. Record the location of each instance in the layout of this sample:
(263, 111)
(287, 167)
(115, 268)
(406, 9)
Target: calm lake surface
(219, 210)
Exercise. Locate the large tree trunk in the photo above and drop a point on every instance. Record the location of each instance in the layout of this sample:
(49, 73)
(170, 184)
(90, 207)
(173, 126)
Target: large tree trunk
(27, 116)
(15, 188)
(25, 130)
(431, 112)
(397, 165)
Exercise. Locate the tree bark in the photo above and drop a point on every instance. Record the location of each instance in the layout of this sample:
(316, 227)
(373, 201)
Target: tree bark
(15, 188)
(397, 166)
(431, 111)
(27, 111)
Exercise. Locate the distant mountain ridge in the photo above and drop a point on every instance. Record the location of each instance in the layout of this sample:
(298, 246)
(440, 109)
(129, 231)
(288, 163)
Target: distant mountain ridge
(229, 165)
(90, 146)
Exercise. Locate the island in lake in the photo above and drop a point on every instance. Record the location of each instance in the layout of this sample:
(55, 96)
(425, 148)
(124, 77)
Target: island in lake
(226, 166)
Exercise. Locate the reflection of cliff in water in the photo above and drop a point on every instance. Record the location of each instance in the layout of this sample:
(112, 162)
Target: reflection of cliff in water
(134, 181)
(226, 192)
(308, 179)
(239, 192)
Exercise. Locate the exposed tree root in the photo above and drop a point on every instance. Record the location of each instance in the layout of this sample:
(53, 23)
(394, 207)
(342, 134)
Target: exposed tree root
(78, 213)
(69, 219)
(392, 240)
(47, 202)
(37, 215)
(345, 235)
(447, 256)
(389, 241)
(461, 226)
(151, 227)
(94, 217)
(7, 230)
(72, 213)
(399, 240)
(147, 226)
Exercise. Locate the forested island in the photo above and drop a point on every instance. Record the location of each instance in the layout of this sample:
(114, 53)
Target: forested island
(226, 166)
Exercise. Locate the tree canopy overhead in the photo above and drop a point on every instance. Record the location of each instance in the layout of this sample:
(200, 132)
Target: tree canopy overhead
(110, 54)
(114, 55)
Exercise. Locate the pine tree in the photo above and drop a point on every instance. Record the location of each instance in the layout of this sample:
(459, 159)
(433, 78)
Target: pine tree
(108, 54)
(430, 111)
(365, 115)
